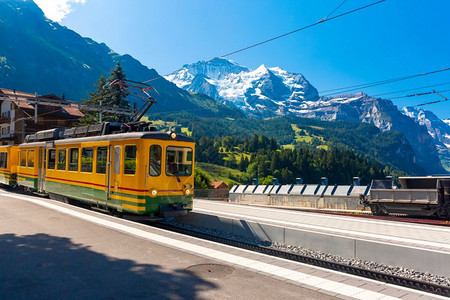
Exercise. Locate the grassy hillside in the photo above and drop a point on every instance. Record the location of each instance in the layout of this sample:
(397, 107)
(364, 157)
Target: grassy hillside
(221, 173)
(387, 148)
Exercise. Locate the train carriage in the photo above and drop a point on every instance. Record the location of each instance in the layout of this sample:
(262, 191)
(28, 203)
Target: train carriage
(8, 165)
(141, 173)
(27, 167)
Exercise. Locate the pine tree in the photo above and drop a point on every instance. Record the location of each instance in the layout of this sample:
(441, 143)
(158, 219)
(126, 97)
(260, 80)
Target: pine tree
(92, 117)
(118, 95)
(111, 96)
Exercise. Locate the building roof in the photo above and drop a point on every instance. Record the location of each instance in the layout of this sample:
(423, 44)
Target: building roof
(218, 184)
(25, 100)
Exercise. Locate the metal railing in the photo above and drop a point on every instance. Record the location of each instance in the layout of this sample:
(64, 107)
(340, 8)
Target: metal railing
(212, 194)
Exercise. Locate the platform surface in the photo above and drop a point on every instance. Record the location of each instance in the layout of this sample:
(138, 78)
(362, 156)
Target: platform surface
(51, 250)
(398, 233)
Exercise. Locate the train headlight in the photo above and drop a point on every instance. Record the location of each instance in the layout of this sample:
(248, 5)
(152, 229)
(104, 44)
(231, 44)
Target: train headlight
(187, 192)
(172, 134)
(153, 193)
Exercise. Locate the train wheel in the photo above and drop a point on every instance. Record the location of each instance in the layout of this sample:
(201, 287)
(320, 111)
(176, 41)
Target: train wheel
(377, 210)
(442, 213)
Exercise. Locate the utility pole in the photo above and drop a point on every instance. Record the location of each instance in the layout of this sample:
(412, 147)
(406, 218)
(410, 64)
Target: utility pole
(101, 114)
(35, 108)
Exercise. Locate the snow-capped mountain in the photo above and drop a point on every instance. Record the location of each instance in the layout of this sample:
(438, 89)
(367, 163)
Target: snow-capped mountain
(437, 128)
(264, 92)
(267, 92)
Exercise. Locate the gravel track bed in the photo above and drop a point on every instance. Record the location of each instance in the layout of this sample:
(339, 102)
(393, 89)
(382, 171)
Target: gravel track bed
(368, 265)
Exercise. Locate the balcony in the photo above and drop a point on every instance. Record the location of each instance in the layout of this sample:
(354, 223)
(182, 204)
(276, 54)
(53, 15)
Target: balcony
(4, 120)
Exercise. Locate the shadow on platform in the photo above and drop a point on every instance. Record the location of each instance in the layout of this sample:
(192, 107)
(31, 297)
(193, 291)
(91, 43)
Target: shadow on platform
(42, 266)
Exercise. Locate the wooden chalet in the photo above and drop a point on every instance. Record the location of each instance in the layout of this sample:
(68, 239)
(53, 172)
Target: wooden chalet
(24, 113)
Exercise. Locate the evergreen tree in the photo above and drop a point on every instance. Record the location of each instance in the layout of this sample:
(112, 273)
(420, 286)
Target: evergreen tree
(117, 96)
(93, 117)
(111, 96)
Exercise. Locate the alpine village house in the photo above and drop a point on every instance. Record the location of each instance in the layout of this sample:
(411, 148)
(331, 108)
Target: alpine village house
(24, 113)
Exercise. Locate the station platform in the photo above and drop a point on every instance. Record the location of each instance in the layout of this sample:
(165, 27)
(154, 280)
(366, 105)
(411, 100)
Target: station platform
(425, 248)
(53, 250)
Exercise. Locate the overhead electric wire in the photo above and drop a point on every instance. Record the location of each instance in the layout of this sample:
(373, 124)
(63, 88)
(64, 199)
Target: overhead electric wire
(334, 10)
(326, 19)
(413, 89)
(376, 83)
(419, 94)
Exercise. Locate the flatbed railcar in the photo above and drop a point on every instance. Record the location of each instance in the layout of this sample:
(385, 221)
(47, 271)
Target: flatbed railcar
(418, 197)
(146, 173)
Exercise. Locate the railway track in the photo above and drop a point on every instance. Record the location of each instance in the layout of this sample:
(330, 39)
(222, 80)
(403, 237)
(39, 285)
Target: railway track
(375, 275)
(369, 215)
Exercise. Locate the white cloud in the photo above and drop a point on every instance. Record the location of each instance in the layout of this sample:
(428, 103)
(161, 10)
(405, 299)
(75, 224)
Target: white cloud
(56, 10)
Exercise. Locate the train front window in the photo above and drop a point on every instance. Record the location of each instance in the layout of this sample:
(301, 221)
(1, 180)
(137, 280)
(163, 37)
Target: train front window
(178, 161)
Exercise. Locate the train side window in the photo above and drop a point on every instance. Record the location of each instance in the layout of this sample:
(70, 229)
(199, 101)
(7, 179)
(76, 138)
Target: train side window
(73, 159)
(155, 160)
(61, 159)
(30, 154)
(130, 160)
(117, 159)
(23, 158)
(102, 160)
(87, 159)
(4, 160)
(51, 158)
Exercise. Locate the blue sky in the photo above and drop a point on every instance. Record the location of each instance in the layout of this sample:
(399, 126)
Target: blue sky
(393, 39)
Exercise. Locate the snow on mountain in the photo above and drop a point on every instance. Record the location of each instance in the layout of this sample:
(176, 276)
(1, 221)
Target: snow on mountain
(267, 92)
(437, 128)
(263, 92)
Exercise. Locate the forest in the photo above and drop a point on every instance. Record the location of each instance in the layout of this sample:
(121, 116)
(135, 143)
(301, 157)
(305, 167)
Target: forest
(263, 158)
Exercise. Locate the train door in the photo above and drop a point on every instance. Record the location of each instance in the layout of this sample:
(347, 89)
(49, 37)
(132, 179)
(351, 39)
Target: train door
(115, 169)
(41, 170)
(108, 173)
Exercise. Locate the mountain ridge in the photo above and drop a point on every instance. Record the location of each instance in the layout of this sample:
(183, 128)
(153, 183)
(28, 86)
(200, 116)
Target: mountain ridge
(267, 92)
(61, 62)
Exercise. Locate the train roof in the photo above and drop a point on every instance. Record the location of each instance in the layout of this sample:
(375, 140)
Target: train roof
(156, 135)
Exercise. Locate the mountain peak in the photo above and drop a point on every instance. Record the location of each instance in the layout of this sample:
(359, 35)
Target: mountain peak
(263, 92)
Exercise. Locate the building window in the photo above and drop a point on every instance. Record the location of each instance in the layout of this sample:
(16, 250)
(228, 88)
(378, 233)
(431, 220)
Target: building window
(51, 159)
(87, 159)
(102, 160)
(23, 158)
(130, 160)
(155, 160)
(61, 159)
(30, 159)
(73, 159)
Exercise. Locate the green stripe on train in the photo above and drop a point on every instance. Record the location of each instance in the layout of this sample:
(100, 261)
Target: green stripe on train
(31, 182)
(100, 197)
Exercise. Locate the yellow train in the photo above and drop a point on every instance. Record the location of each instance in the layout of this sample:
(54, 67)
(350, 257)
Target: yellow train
(145, 173)
(8, 165)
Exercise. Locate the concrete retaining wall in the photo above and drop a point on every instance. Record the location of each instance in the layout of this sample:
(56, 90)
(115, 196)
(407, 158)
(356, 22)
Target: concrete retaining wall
(423, 260)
